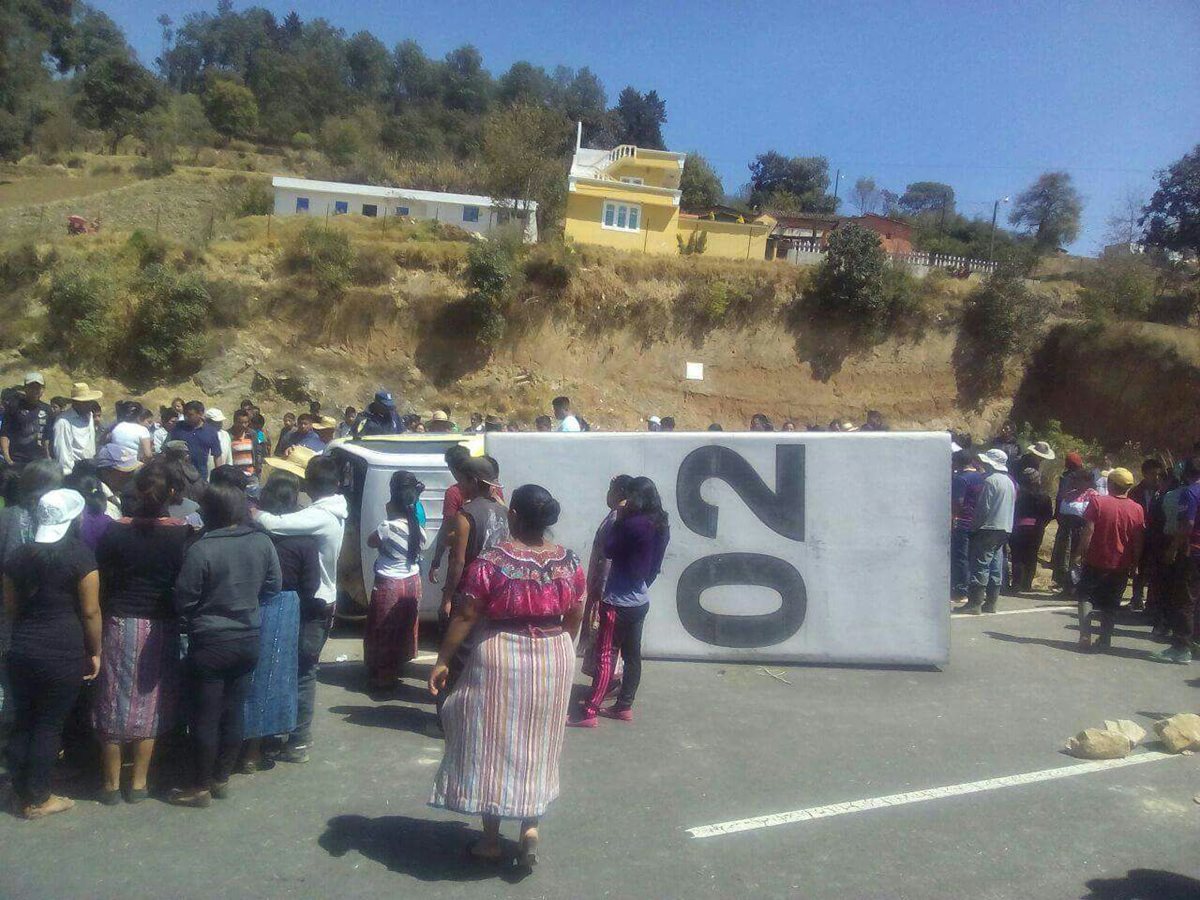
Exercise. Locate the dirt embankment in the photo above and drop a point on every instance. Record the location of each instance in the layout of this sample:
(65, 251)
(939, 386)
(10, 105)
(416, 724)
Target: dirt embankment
(1127, 382)
(616, 336)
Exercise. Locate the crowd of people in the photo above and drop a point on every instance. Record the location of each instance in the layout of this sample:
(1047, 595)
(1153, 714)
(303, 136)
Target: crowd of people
(1112, 528)
(156, 587)
(156, 582)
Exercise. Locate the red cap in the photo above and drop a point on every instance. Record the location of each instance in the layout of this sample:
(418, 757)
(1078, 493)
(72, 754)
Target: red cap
(1074, 460)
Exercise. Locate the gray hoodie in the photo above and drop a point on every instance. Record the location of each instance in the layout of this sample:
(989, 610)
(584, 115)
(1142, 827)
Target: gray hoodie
(224, 574)
(325, 519)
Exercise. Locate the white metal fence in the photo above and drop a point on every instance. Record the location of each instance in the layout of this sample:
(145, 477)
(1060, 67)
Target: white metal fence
(920, 263)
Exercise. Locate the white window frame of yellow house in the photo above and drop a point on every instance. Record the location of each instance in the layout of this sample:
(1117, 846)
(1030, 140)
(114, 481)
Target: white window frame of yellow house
(633, 213)
(632, 179)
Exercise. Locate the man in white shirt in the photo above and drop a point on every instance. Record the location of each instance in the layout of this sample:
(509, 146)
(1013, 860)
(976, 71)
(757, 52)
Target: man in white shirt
(216, 419)
(75, 429)
(567, 421)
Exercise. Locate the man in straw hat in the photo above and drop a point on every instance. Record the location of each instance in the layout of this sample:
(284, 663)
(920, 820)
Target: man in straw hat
(990, 527)
(75, 428)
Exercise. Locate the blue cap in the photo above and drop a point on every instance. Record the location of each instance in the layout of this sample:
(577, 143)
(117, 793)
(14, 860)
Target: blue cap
(385, 398)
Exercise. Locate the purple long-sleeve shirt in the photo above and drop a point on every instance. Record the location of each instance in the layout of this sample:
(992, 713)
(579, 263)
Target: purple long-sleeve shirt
(636, 546)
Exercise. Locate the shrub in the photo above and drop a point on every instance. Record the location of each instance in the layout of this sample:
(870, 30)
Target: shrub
(324, 254)
(373, 265)
(155, 167)
(551, 266)
(432, 256)
(849, 283)
(150, 249)
(80, 304)
(1000, 319)
(229, 305)
(256, 200)
(107, 169)
(485, 320)
(302, 140)
(341, 140)
(22, 265)
(695, 245)
(1121, 287)
(490, 268)
(166, 335)
(242, 147)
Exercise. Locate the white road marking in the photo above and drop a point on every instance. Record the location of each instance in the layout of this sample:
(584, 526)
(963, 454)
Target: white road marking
(1065, 607)
(954, 790)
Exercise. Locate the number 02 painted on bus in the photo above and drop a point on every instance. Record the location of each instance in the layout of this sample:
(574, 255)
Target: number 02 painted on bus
(781, 510)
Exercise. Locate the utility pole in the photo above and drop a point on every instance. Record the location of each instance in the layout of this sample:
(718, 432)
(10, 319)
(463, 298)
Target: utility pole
(992, 239)
(836, 183)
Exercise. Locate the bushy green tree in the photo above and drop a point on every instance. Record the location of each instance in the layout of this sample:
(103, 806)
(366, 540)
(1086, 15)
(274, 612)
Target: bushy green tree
(524, 152)
(1172, 219)
(114, 92)
(525, 84)
(231, 108)
(922, 197)
(1049, 210)
(640, 118)
(699, 183)
(370, 65)
(791, 184)
(849, 283)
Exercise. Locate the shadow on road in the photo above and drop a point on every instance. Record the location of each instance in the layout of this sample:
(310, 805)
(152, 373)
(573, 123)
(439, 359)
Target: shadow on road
(1068, 646)
(1143, 884)
(401, 718)
(425, 849)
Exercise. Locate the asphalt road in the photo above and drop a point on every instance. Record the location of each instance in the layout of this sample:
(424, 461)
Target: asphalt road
(712, 743)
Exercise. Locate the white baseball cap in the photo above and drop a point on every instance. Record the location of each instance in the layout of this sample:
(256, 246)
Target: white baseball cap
(34, 378)
(214, 415)
(654, 420)
(55, 512)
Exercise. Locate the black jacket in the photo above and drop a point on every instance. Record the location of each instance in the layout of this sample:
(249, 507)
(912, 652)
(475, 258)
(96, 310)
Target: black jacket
(224, 574)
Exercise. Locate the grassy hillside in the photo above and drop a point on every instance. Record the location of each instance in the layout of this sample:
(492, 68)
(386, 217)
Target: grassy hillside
(613, 330)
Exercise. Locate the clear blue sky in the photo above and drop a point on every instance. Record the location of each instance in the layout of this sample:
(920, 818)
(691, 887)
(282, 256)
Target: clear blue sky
(981, 96)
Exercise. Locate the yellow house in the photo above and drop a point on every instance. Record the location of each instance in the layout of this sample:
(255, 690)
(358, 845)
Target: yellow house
(628, 198)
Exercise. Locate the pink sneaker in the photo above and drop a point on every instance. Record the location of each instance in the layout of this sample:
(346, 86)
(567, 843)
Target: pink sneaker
(583, 722)
(615, 712)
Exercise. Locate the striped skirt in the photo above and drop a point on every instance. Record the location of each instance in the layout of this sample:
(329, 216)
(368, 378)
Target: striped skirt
(270, 704)
(391, 636)
(137, 691)
(504, 724)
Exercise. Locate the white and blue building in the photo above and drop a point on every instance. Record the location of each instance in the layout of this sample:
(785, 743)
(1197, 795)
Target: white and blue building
(470, 212)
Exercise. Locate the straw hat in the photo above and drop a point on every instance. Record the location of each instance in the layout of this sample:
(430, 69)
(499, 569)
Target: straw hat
(296, 461)
(81, 392)
(1041, 449)
(324, 423)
